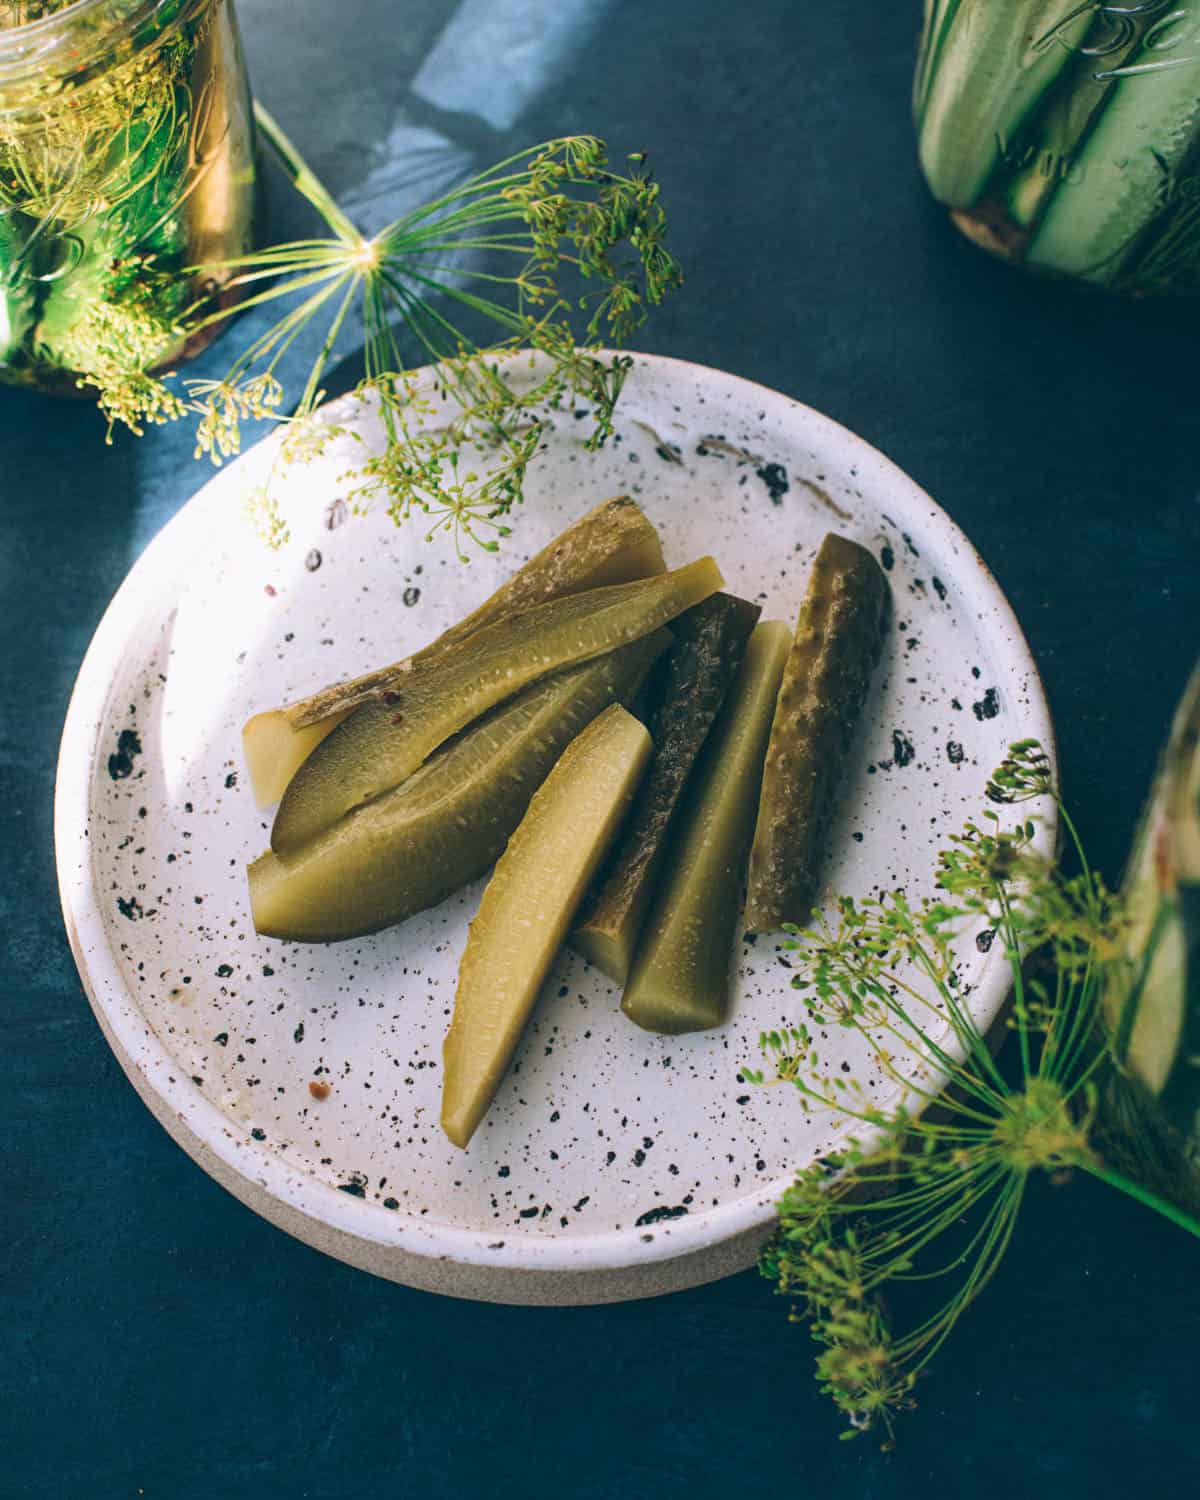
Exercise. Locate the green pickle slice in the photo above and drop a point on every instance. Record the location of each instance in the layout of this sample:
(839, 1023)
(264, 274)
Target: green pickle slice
(710, 641)
(527, 908)
(613, 543)
(838, 640)
(680, 977)
(445, 825)
(387, 738)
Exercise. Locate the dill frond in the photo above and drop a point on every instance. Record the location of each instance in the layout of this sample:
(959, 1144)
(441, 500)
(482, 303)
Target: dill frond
(929, 1190)
(493, 250)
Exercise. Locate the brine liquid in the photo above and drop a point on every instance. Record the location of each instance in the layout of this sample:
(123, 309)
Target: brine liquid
(115, 184)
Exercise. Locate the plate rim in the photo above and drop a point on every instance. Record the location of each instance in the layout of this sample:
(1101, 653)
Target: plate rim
(196, 1123)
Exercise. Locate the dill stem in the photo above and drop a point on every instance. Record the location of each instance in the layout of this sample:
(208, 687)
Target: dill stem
(1143, 1196)
(302, 177)
(1076, 842)
(1020, 1004)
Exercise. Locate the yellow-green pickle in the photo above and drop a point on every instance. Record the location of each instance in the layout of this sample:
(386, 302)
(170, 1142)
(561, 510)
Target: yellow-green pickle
(612, 543)
(388, 737)
(446, 824)
(528, 906)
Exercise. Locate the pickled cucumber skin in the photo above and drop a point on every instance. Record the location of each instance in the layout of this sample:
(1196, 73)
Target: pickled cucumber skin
(680, 976)
(710, 642)
(528, 905)
(409, 849)
(986, 77)
(613, 543)
(1055, 135)
(385, 740)
(1148, 125)
(838, 640)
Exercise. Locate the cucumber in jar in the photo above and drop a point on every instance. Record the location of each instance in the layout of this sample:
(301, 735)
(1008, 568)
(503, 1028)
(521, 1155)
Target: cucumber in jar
(1130, 164)
(993, 62)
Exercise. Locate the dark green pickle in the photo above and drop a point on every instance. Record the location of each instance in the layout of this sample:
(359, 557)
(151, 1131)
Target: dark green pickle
(838, 640)
(680, 979)
(694, 677)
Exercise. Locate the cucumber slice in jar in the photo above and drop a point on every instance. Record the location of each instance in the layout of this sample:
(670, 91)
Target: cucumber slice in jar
(613, 543)
(1130, 162)
(938, 16)
(527, 908)
(1044, 158)
(680, 976)
(388, 737)
(445, 825)
(997, 59)
(18, 297)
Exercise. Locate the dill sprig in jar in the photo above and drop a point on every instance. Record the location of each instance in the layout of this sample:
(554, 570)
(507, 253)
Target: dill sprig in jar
(1064, 135)
(126, 169)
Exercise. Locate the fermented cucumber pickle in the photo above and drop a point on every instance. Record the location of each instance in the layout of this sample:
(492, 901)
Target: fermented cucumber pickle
(528, 905)
(838, 640)
(680, 976)
(695, 676)
(275, 746)
(446, 824)
(613, 543)
(387, 738)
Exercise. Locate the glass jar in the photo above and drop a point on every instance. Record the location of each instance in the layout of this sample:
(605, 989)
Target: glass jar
(1065, 134)
(1152, 1000)
(126, 169)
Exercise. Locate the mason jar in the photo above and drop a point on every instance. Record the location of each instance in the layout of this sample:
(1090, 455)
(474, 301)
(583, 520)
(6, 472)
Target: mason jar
(126, 180)
(1064, 135)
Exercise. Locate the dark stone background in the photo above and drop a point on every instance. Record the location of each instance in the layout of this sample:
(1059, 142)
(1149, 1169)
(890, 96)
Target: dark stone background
(158, 1338)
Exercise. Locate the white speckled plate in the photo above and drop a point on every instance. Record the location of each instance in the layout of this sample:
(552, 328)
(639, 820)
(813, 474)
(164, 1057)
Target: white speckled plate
(613, 1163)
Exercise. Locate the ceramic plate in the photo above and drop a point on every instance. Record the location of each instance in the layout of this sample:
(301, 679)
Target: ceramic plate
(613, 1163)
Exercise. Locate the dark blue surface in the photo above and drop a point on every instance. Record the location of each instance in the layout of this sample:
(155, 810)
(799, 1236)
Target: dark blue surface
(159, 1339)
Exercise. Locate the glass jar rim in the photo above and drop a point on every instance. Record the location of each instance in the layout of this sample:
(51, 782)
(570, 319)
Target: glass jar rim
(80, 39)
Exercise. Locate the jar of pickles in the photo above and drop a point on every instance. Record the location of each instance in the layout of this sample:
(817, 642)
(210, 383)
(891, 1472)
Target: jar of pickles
(126, 182)
(1064, 135)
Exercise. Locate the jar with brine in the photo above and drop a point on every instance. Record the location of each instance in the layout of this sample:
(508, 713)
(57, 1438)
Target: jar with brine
(126, 182)
(1064, 135)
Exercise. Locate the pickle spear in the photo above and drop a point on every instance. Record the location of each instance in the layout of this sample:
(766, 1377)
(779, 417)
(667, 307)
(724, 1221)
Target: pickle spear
(838, 640)
(613, 543)
(710, 641)
(387, 738)
(680, 977)
(445, 825)
(528, 905)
